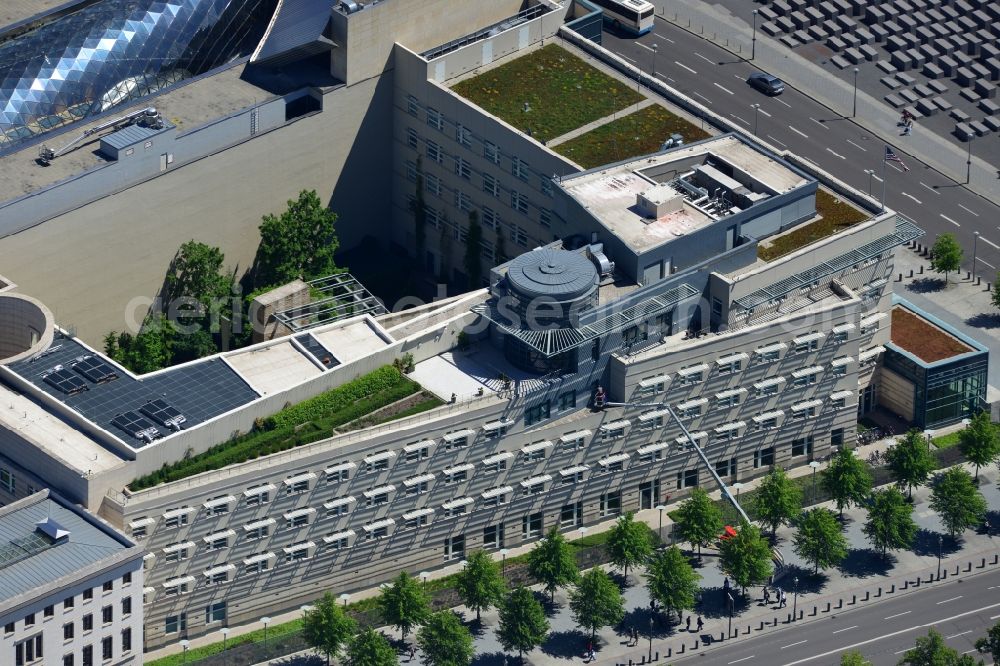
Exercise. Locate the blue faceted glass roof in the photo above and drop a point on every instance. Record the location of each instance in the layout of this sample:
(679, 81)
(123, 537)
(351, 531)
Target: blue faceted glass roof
(114, 51)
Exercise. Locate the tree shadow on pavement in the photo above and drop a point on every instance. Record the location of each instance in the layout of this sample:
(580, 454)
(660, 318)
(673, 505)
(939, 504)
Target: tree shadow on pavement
(927, 285)
(926, 543)
(992, 522)
(809, 582)
(638, 618)
(713, 602)
(493, 659)
(567, 644)
(300, 660)
(865, 562)
(984, 320)
(550, 608)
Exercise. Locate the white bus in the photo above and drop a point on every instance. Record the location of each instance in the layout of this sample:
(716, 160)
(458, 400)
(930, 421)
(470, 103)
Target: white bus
(634, 16)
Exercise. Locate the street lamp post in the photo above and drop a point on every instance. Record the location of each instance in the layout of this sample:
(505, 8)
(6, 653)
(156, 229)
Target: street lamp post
(423, 576)
(940, 543)
(654, 60)
(732, 602)
(795, 599)
(815, 465)
(929, 434)
(344, 597)
(503, 562)
(756, 108)
(661, 509)
(650, 638)
(739, 486)
(975, 246)
(968, 161)
(266, 621)
(753, 42)
(185, 644)
(854, 109)
(225, 634)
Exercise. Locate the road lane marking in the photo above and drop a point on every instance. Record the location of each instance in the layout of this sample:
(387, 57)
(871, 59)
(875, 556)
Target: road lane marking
(722, 87)
(793, 644)
(864, 150)
(708, 60)
(950, 220)
(703, 97)
(949, 600)
(919, 202)
(764, 112)
(646, 47)
(994, 246)
(853, 626)
(897, 615)
(983, 261)
(802, 134)
(680, 64)
(967, 210)
(671, 80)
(745, 122)
(783, 102)
(776, 141)
(930, 188)
(656, 34)
(902, 651)
(820, 123)
(844, 648)
(743, 659)
(626, 57)
(877, 178)
(830, 150)
(948, 638)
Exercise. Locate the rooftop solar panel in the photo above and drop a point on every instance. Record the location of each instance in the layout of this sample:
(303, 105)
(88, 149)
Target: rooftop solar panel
(65, 381)
(95, 369)
(164, 414)
(136, 426)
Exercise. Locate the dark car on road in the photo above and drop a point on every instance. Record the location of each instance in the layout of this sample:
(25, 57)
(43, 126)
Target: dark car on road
(766, 83)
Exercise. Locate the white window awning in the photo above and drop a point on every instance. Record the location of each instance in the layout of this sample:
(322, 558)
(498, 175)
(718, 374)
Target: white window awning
(650, 382)
(141, 522)
(808, 404)
(177, 513)
(298, 513)
(259, 557)
(767, 416)
(731, 426)
(417, 513)
(337, 469)
(174, 547)
(536, 480)
(691, 404)
(296, 547)
(574, 436)
(340, 501)
(388, 488)
(722, 395)
(379, 457)
(177, 582)
(498, 457)
(458, 469)
(497, 492)
(257, 524)
(417, 446)
(299, 478)
(732, 358)
(611, 460)
(843, 328)
(805, 372)
(219, 501)
(841, 395)
(873, 318)
(652, 448)
(615, 425)
(773, 381)
(150, 556)
(457, 502)
(497, 425)
(379, 524)
(843, 360)
(870, 353)
(771, 348)
(221, 534)
(646, 417)
(537, 446)
(148, 590)
(574, 470)
(222, 568)
(692, 370)
(808, 337)
(417, 480)
(700, 434)
(260, 490)
(458, 434)
(337, 536)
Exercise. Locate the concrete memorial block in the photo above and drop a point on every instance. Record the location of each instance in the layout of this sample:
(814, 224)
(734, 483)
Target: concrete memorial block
(939, 29)
(890, 82)
(903, 6)
(785, 23)
(985, 89)
(846, 22)
(993, 67)
(771, 28)
(965, 24)
(959, 115)
(894, 101)
(845, 8)
(989, 107)
(953, 28)
(766, 13)
(817, 32)
(814, 14)
(921, 17)
(802, 36)
(849, 39)
(987, 51)
(942, 103)
(906, 79)
(965, 76)
(885, 66)
(840, 62)
(827, 9)
(781, 7)
(879, 33)
(836, 44)
(963, 7)
(980, 70)
(874, 15)
(926, 107)
(902, 60)
(895, 43)
(979, 128)
(908, 22)
(964, 132)
(992, 122)
(949, 12)
(854, 56)
(798, 5)
(908, 95)
(893, 27)
(924, 34)
(958, 51)
(937, 86)
(864, 36)
(923, 90)
(981, 18)
(929, 52)
(800, 20)
(869, 52)
(932, 71)
(947, 65)
(969, 94)
(832, 27)
(789, 41)
(916, 57)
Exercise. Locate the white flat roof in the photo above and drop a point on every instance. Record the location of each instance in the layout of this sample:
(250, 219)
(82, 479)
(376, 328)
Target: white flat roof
(352, 340)
(274, 368)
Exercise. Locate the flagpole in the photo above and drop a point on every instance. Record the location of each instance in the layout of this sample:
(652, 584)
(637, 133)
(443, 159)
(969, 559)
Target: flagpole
(883, 182)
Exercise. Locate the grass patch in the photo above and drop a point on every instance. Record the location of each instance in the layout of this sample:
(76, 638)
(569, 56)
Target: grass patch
(835, 215)
(946, 441)
(304, 423)
(274, 635)
(562, 91)
(922, 339)
(636, 134)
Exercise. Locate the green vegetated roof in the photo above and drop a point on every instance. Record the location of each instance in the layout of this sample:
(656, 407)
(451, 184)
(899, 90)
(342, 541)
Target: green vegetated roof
(562, 92)
(834, 215)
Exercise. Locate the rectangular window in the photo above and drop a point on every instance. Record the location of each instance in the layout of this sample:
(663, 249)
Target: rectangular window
(763, 457)
(519, 168)
(611, 503)
(107, 648)
(69, 602)
(107, 615)
(464, 203)
(300, 554)
(433, 152)
(176, 520)
(379, 498)
(257, 532)
(837, 438)
(434, 119)
(127, 639)
(338, 473)
(463, 135)
(380, 464)
(545, 185)
(29, 620)
(432, 184)
(218, 543)
(68, 660)
(808, 343)
(490, 219)
(687, 479)
(297, 521)
(768, 353)
(456, 442)
(462, 168)
(28, 651)
(126, 606)
(7, 480)
(87, 656)
(569, 443)
(767, 423)
(804, 380)
(726, 467)
(108, 586)
(491, 152)
(544, 217)
(493, 536)
(802, 447)
(257, 566)
(457, 476)
(518, 202)
(691, 375)
(571, 515)
(260, 497)
(536, 413)
(88, 622)
(651, 456)
(531, 526)
(764, 390)
(411, 138)
(416, 488)
(730, 367)
(49, 611)
(491, 186)
(567, 400)
(412, 106)
(454, 547)
(518, 235)
(127, 578)
(840, 370)
(176, 623)
(215, 612)
(68, 630)
(88, 594)
(417, 454)
(297, 487)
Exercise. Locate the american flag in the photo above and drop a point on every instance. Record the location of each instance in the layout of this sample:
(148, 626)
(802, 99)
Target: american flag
(892, 157)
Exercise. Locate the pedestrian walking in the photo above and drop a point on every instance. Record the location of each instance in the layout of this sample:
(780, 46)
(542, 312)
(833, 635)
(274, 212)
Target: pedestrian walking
(767, 596)
(413, 653)
(784, 600)
(907, 127)
(725, 584)
(689, 623)
(700, 623)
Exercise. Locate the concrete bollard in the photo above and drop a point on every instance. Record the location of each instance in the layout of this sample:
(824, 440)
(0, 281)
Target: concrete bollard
(996, 558)
(968, 275)
(867, 594)
(681, 651)
(879, 593)
(911, 272)
(670, 652)
(802, 613)
(989, 287)
(892, 589)
(944, 576)
(979, 280)
(982, 565)
(788, 618)
(906, 584)
(815, 612)
(918, 582)
(827, 607)
(776, 622)
(840, 604)
(657, 653)
(968, 567)
(956, 570)
(761, 626)
(921, 270)
(748, 630)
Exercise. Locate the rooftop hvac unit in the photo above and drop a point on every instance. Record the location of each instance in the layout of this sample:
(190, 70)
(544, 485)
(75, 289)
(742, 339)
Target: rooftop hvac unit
(605, 267)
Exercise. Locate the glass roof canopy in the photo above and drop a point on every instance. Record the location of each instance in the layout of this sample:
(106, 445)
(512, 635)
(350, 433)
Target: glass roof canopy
(114, 51)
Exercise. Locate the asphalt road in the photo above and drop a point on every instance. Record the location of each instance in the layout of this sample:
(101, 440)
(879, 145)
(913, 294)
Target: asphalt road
(961, 610)
(794, 121)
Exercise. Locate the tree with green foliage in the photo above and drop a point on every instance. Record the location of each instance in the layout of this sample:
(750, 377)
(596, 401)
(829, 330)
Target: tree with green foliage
(848, 479)
(957, 500)
(746, 557)
(990, 643)
(931, 650)
(910, 460)
(404, 604)
(419, 209)
(890, 521)
(190, 346)
(698, 520)
(326, 627)
(853, 658)
(299, 243)
(596, 602)
(522, 625)
(946, 255)
(148, 350)
(196, 272)
(552, 563)
(473, 252)
(995, 295)
(777, 500)
(371, 648)
(980, 441)
(629, 543)
(671, 580)
(445, 641)
(819, 539)
(480, 584)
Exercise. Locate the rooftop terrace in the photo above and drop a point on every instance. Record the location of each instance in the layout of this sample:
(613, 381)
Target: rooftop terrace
(922, 338)
(833, 215)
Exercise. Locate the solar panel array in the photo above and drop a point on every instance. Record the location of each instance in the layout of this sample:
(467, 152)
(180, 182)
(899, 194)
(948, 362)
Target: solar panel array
(136, 425)
(65, 381)
(164, 414)
(95, 369)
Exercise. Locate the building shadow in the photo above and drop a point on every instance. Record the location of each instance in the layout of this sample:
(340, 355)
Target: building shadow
(866, 562)
(926, 543)
(927, 285)
(984, 320)
(567, 644)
